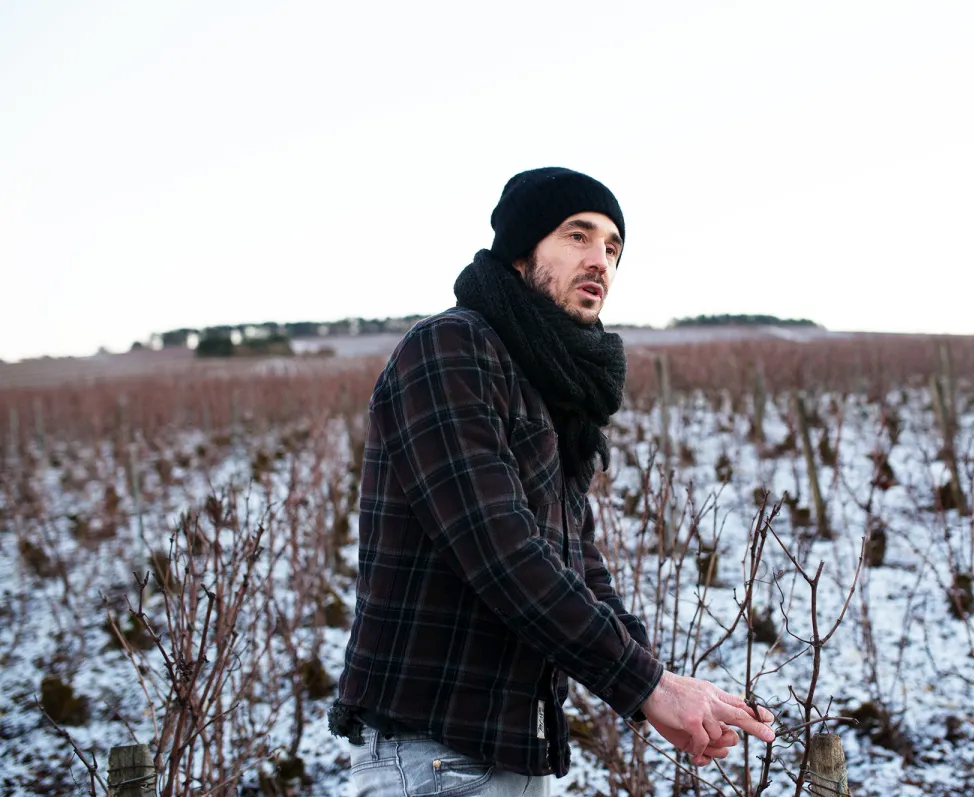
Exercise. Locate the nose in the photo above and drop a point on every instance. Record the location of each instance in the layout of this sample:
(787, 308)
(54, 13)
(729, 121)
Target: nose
(597, 257)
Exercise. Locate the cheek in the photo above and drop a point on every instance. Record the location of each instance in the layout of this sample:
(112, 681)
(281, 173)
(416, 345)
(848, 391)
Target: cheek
(565, 285)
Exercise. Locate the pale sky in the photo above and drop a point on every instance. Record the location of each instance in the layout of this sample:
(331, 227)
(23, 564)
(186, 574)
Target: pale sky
(178, 164)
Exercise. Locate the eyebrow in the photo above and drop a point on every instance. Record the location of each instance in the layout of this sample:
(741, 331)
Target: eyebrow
(587, 225)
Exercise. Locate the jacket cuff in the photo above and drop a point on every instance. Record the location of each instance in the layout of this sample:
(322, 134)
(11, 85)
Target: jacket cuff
(632, 682)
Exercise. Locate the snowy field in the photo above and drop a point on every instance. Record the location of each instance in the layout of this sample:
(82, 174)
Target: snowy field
(249, 534)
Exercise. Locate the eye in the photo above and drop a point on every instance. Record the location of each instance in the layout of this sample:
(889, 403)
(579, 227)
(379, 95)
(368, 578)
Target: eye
(577, 236)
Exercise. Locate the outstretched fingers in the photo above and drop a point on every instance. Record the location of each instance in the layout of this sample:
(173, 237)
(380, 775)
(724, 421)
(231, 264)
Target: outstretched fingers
(742, 717)
(763, 714)
(739, 702)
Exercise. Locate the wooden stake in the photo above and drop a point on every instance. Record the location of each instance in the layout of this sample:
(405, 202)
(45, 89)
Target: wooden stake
(136, 487)
(663, 390)
(826, 765)
(759, 401)
(950, 457)
(947, 382)
(131, 772)
(13, 443)
(801, 418)
(39, 425)
(235, 416)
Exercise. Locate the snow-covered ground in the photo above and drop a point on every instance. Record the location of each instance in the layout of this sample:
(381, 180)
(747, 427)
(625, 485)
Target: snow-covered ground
(898, 646)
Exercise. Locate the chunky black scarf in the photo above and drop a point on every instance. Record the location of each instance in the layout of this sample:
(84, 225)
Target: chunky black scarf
(579, 370)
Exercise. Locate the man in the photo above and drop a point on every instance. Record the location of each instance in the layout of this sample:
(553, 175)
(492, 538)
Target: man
(480, 588)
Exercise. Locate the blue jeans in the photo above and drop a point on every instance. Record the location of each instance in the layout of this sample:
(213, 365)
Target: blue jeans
(413, 765)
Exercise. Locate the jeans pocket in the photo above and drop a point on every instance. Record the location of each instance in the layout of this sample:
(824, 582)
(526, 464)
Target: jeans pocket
(367, 755)
(430, 769)
(460, 776)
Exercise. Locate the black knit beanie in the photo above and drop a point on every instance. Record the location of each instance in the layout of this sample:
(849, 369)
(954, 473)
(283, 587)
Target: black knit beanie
(535, 202)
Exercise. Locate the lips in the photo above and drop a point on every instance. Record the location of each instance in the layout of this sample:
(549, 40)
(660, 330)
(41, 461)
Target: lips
(592, 289)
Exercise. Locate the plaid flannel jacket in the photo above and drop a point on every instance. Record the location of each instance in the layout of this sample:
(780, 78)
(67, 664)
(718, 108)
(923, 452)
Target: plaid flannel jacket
(480, 587)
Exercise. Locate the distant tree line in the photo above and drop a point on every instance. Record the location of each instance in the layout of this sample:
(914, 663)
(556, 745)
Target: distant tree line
(728, 319)
(221, 344)
(270, 336)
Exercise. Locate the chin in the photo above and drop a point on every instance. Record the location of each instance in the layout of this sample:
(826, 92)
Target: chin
(584, 317)
(586, 313)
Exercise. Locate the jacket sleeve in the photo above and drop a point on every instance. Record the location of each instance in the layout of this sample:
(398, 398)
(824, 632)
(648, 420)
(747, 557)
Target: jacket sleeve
(441, 410)
(599, 580)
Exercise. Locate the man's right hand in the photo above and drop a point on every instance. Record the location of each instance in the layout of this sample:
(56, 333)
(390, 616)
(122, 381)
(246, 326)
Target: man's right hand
(697, 717)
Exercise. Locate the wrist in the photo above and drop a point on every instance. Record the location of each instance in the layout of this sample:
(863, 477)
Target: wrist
(650, 702)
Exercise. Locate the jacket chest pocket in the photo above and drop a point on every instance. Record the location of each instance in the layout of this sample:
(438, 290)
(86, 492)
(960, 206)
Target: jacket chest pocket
(535, 448)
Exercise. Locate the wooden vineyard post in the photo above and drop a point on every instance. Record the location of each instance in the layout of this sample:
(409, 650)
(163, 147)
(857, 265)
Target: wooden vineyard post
(801, 418)
(950, 456)
(131, 772)
(13, 441)
(122, 419)
(235, 434)
(947, 382)
(759, 401)
(39, 426)
(663, 392)
(135, 485)
(826, 767)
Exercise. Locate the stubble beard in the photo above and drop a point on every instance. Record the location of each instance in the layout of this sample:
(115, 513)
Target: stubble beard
(540, 279)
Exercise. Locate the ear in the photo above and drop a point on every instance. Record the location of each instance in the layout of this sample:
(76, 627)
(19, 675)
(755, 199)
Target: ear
(520, 265)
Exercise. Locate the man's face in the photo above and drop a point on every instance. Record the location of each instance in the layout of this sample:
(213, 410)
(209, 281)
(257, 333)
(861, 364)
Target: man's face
(575, 264)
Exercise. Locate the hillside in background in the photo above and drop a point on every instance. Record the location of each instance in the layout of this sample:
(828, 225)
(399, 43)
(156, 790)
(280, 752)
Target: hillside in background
(189, 337)
(727, 319)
